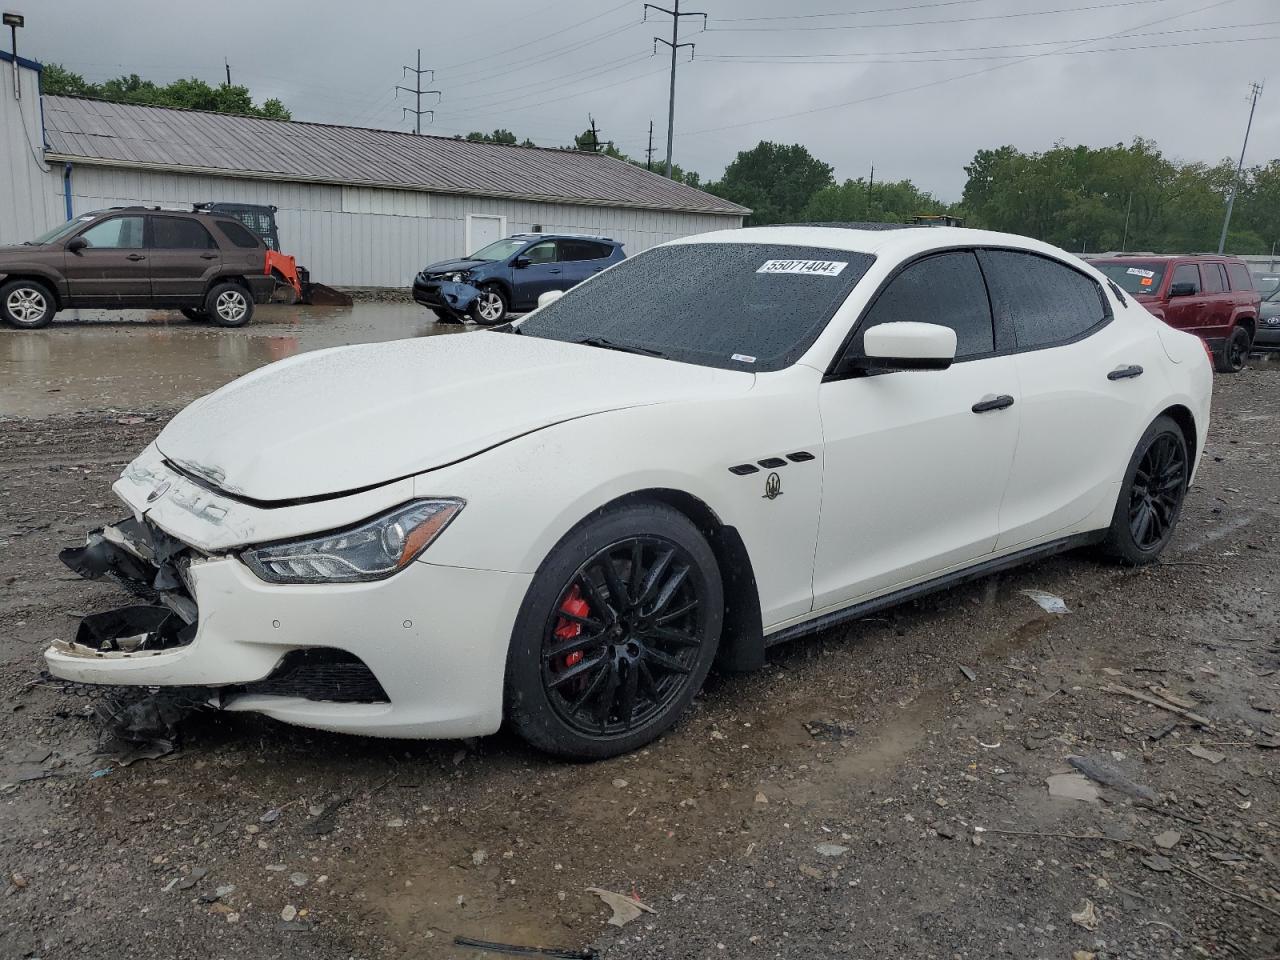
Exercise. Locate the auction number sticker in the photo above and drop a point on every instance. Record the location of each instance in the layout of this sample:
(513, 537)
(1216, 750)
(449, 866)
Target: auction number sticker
(1139, 272)
(813, 268)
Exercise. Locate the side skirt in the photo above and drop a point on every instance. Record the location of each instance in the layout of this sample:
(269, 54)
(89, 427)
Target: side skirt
(953, 579)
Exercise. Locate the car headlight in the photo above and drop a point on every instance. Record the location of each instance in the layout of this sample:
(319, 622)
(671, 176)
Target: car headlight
(373, 550)
(459, 277)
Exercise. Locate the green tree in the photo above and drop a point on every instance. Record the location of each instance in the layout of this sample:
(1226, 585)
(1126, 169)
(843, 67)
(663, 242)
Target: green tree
(498, 136)
(191, 94)
(860, 201)
(775, 180)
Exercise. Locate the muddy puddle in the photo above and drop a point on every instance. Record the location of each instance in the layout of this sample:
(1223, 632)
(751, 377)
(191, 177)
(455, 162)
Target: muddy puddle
(131, 360)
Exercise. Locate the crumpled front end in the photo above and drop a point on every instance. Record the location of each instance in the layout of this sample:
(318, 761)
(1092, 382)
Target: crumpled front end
(420, 653)
(448, 297)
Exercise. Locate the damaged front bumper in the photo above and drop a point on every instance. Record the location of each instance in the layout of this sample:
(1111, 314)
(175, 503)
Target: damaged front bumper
(419, 654)
(445, 296)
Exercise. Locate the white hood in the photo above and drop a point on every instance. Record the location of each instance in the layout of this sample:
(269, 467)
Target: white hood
(339, 420)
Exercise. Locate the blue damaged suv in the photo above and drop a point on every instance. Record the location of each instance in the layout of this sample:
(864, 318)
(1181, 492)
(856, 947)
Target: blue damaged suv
(509, 275)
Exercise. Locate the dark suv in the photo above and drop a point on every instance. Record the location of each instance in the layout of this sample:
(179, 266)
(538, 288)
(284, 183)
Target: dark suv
(209, 267)
(1212, 297)
(511, 274)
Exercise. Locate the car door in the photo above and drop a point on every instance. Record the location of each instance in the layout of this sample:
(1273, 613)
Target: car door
(1083, 394)
(111, 270)
(583, 259)
(915, 462)
(1219, 304)
(542, 271)
(1188, 309)
(184, 258)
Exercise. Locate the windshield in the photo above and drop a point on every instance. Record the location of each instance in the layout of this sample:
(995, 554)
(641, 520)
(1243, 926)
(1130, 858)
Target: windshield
(1274, 295)
(1135, 276)
(499, 250)
(1268, 286)
(739, 306)
(60, 231)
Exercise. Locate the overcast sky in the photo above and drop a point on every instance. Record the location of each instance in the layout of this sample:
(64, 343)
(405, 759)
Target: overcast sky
(984, 72)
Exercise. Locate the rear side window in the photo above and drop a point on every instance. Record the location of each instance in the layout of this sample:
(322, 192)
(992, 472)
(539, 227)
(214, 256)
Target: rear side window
(1043, 301)
(176, 233)
(237, 234)
(1187, 273)
(946, 289)
(1241, 278)
(584, 250)
(1215, 281)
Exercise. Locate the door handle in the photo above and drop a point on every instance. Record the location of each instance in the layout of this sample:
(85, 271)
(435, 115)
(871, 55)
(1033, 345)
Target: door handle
(1125, 373)
(989, 403)
(208, 256)
(554, 270)
(135, 257)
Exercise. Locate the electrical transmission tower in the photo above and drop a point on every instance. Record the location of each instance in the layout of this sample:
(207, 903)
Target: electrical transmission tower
(675, 44)
(417, 91)
(1255, 91)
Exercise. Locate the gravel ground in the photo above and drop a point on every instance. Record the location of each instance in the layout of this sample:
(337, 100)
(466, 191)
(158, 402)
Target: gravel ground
(879, 790)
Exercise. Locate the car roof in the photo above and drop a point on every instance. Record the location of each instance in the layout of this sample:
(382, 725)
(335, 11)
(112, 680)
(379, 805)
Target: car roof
(1165, 257)
(880, 240)
(561, 236)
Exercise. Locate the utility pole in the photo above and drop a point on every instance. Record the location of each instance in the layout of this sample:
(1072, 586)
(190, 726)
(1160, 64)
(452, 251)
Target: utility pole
(648, 154)
(1255, 90)
(13, 21)
(417, 91)
(227, 64)
(871, 185)
(1124, 244)
(675, 44)
(595, 136)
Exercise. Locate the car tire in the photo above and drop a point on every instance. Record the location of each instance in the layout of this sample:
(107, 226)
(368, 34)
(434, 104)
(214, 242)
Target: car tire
(1234, 352)
(27, 304)
(601, 663)
(195, 315)
(229, 305)
(491, 307)
(1151, 496)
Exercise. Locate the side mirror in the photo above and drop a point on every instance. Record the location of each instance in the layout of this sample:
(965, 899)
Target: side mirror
(76, 244)
(906, 345)
(1185, 289)
(551, 296)
(520, 262)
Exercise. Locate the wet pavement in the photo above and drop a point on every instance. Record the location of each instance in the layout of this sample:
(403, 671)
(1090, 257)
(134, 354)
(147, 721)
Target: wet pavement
(137, 359)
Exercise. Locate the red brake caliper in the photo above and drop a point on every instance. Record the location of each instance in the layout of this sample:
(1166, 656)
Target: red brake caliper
(567, 629)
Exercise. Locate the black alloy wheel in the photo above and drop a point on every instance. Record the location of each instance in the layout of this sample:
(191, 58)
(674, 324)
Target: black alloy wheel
(1151, 495)
(1157, 491)
(616, 634)
(624, 636)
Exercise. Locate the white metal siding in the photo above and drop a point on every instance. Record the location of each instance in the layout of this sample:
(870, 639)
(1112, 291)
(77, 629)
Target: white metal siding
(30, 191)
(371, 237)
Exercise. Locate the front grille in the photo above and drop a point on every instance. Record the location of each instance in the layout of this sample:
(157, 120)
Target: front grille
(322, 674)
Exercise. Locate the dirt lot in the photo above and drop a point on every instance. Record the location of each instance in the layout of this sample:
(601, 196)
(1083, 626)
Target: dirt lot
(877, 791)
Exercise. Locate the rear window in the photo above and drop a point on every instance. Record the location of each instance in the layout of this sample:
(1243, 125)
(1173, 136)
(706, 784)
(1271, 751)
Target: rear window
(584, 250)
(1045, 302)
(1215, 278)
(1241, 278)
(738, 306)
(239, 235)
(1134, 276)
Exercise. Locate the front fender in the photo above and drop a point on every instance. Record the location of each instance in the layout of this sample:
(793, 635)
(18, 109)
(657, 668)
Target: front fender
(525, 495)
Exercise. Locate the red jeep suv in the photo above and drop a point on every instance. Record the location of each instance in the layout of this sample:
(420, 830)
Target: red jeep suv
(1212, 297)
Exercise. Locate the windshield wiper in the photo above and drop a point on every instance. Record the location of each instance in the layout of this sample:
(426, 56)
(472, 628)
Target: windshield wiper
(620, 347)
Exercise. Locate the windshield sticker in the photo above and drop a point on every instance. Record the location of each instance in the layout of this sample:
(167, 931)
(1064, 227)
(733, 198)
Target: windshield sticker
(1138, 272)
(743, 358)
(1145, 282)
(816, 268)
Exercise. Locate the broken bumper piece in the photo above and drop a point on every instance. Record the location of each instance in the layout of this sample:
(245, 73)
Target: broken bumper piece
(419, 654)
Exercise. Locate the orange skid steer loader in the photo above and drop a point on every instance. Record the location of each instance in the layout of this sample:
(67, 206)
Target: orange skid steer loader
(291, 280)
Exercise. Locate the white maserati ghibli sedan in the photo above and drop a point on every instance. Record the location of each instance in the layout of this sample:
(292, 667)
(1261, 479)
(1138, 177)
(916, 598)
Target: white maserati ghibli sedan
(561, 524)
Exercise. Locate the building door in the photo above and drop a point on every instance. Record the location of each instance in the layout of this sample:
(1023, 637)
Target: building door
(483, 230)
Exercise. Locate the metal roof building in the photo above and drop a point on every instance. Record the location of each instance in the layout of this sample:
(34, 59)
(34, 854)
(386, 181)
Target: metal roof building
(358, 207)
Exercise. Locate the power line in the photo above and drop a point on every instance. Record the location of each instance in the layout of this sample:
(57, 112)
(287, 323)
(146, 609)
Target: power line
(1052, 53)
(945, 80)
(417, 91)
(813, 58)
(927, 23)
(675, 45)
(849, 13)
(1255, 90)
(598, 69)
